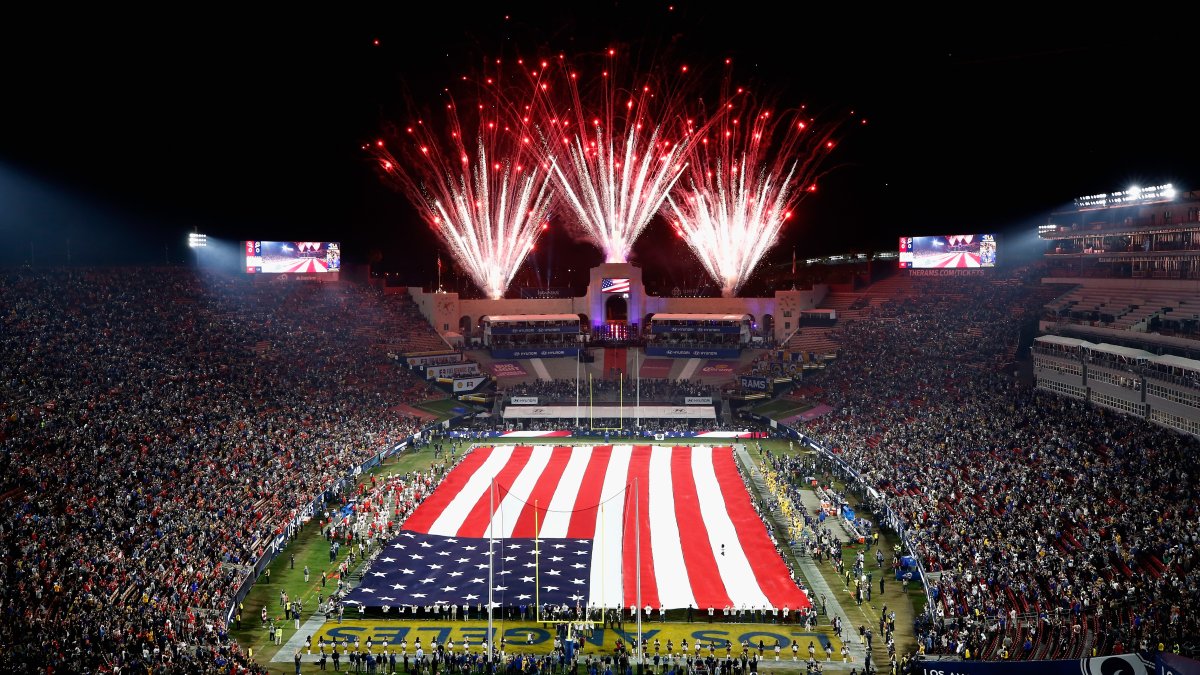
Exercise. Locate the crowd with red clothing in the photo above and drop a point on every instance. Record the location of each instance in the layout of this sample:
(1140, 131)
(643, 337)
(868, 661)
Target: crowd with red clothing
(1048, 527)
(159, 428)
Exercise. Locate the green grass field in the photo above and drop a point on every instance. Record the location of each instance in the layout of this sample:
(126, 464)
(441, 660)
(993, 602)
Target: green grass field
(781, 409)
(311, 549)
(446, 408)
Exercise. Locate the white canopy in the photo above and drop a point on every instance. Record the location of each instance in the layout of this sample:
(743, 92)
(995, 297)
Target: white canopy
(700, 317)
(532, 317)
(1063, 341)
(689, 412)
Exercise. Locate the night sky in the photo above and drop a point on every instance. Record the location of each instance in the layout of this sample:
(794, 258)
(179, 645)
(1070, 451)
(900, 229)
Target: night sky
(122, 133)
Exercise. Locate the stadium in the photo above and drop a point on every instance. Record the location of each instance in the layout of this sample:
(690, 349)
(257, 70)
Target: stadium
(736, 500)
(684, 451)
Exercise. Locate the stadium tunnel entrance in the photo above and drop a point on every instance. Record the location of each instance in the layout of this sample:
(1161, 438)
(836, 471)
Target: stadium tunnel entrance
(616, 310)
(616, 318)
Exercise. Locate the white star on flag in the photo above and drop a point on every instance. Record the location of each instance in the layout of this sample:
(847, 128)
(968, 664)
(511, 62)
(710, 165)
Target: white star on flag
(445, 563)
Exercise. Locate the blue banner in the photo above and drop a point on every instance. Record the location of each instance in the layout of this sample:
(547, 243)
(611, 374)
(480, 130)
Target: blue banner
(755, 382)
(660, 328)
(1174, 664)
(533, 330)
(694, 352)
(534, 352)
(1126, 664)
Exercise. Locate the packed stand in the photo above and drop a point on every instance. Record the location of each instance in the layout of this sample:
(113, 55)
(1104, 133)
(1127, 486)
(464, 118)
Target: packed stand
(159, 428)
(1047, 527)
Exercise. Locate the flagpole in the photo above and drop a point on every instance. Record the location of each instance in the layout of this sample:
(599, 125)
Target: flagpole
(578, 357)
(621, 400)
(637, 406)
(537, 580)
(603, 597)
(491, 558)
(637, 542)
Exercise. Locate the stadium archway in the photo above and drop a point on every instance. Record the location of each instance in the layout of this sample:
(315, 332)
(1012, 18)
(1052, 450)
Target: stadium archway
(646, 319)
(466, 326)
(616, 309)
(768, 325)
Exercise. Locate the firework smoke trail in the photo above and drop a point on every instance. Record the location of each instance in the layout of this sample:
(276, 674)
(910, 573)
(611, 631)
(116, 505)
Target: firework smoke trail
(743, 183)
(479, 186)
(615, 153)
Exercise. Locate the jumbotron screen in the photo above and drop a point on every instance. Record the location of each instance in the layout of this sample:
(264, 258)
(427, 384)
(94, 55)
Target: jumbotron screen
(293, 257)
(952, 250)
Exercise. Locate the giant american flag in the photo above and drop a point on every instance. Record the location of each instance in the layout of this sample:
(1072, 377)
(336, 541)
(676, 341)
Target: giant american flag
(702, 542)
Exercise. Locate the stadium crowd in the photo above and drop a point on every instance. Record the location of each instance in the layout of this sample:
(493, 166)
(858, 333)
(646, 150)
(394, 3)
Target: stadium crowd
(1046, 527)
(160, 427)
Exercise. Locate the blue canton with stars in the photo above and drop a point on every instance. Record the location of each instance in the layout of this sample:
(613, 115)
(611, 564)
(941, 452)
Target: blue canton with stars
(424, 569)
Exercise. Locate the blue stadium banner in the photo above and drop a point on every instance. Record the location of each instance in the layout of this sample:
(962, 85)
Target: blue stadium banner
(534, 352)
(1122, 664)
(1174, 664)
(755, 382)
(533, 330)
(694, 352)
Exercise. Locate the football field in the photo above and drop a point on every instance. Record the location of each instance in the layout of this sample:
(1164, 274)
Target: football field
(523, 637)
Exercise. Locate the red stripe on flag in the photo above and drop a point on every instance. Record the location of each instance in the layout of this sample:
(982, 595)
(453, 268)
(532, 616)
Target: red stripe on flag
(698, 558)
(637, 501)
(583, 519)
(428, 511)
(769, 570)
(476, 522)
(542, 493)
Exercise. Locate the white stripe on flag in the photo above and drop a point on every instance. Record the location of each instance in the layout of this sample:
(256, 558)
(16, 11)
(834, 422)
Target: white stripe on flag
(670, 571)
(451, 518)
(606, 587)
(682, 571)
(516, 496)
(558, 518)
(736, 573)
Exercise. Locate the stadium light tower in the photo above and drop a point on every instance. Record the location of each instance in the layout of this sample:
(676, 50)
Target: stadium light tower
(197, 240)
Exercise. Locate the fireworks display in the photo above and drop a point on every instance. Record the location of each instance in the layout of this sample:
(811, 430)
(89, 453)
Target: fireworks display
(613, 152)
(479, 185)
(616, 148)
(742, 184)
